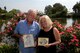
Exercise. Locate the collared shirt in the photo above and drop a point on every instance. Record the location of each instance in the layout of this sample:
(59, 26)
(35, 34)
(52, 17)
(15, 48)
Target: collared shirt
(23, 28)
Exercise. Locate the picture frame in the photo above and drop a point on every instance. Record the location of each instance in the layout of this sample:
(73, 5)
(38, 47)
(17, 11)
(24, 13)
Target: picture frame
(28, 40)
(42, 41)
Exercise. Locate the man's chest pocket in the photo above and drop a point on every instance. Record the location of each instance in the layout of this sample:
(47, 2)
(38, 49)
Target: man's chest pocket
(32, 31)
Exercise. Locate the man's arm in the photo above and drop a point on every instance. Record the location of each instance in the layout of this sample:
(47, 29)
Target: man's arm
(17, 35)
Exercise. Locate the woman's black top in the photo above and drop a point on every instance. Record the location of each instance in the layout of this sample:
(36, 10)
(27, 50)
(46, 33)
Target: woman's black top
(49, 34)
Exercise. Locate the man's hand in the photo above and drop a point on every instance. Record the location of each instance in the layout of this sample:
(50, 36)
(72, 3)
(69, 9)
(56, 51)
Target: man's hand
(21, 37)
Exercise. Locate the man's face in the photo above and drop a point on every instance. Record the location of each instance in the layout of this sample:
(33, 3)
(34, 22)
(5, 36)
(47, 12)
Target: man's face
(31, 16)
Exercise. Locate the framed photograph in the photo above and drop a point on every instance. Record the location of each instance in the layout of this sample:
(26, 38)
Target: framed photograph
(28, 40)
(42, 41)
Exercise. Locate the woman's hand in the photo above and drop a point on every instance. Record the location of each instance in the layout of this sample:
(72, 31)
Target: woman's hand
(47, 45)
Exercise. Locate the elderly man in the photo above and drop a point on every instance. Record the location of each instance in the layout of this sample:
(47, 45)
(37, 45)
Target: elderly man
(28, 26)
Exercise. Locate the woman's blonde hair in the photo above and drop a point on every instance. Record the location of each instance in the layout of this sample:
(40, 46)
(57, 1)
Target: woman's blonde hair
(47, 19)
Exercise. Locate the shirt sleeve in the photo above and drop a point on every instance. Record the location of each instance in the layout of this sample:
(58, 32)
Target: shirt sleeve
(37, 30)
(16, 31)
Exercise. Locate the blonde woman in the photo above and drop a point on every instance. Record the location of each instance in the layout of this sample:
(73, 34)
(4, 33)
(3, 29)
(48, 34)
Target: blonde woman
(49, 32)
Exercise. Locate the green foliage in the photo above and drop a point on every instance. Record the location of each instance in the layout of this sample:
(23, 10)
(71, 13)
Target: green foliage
(9, 15)
(57, 10)
(2, 11)
(8, 49)
(4, 15)
(14, 11)
(48, 9)
(76, 7)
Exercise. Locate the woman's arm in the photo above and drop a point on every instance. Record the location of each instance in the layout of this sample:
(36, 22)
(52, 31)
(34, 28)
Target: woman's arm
(57, 36)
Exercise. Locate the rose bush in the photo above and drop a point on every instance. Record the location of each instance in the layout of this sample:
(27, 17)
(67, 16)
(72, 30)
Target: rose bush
(70, 37)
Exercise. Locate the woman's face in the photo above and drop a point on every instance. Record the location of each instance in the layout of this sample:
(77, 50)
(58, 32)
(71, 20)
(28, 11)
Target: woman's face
(43, 23)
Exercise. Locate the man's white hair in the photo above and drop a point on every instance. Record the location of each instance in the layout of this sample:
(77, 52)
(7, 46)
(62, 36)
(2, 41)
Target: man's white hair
(32, 11)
